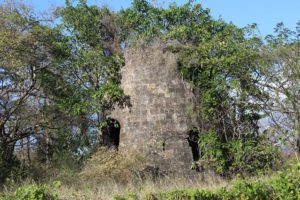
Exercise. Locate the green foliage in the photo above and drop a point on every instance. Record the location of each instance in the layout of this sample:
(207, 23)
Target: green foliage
(222, 68)
(187, 23)
(25, 47)
(186, 194)
(82, 85)
(92, 69)
(243, 156)
(282, 185)
(31, 192)
(129, 196)
(212, 152)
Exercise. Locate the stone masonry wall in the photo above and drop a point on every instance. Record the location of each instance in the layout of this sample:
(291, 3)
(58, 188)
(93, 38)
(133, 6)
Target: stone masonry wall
(157, 124)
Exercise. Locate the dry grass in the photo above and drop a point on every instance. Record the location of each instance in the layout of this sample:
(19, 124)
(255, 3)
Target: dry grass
(108, 189)
(111, 165)
(110, 173)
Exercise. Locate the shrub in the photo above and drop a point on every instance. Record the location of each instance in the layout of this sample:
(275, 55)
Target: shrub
(113, 165)
(31, 192)
(239, 156)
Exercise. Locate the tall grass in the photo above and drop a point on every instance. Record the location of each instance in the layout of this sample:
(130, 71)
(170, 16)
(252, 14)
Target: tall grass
(107, 189)
(109, 173)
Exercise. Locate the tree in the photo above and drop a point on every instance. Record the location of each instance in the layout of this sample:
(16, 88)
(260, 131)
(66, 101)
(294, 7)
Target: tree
(280, 71)
(27, 48)
(92, 68)
(56, 79)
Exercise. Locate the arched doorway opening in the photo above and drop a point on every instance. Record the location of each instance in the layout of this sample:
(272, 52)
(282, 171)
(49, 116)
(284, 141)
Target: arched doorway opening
(111, 133)
(193, 138)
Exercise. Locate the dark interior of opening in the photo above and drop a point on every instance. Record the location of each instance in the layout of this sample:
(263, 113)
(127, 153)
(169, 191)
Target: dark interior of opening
(193, 137)
(111, 133)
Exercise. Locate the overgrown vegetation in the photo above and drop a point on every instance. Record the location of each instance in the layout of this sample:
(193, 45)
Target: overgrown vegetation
(282, 185)
(60, 80)
(31, 192)
(238, 156)
(121, 167)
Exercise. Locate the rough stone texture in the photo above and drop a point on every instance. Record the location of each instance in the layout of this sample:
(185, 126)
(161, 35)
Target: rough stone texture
(157, 124)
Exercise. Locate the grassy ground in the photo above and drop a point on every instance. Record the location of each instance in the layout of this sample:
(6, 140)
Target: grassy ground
(111, 175)
(108, 174)
(108, 189)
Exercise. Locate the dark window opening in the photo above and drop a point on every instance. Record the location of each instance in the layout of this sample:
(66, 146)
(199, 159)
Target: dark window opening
(164, 145)
(193, 137)
(111, 133)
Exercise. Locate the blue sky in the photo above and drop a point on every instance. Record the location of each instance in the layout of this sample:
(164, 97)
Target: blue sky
(266, 13)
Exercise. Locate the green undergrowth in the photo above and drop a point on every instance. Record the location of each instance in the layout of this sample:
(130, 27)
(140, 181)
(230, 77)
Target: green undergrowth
(282, 185)
(31, 192)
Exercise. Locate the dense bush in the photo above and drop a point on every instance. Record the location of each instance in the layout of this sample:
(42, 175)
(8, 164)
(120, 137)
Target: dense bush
(242, 156)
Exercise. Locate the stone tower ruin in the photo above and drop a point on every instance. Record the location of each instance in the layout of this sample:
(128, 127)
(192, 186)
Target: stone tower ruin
(157, 124)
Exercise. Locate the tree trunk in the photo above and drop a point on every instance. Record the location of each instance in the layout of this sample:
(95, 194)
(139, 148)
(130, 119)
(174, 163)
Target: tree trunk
(6, 160)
